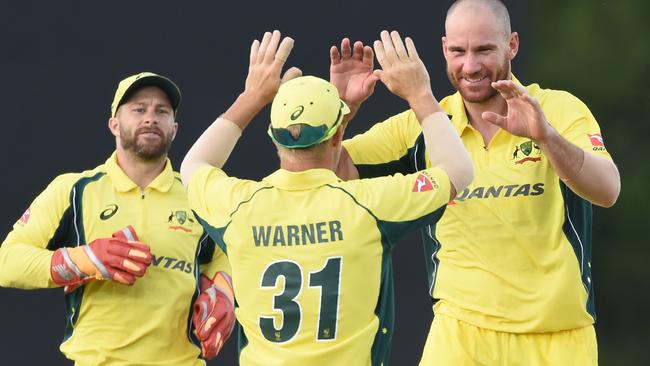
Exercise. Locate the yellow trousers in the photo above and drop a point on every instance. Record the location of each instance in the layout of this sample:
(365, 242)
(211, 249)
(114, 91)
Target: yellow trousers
(455, 343)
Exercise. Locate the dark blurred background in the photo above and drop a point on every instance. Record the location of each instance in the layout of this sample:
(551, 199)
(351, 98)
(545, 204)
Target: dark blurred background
(61, 61)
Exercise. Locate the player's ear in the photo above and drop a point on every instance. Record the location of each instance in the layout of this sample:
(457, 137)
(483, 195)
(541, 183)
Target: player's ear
(513, 45)
(444, 46)
(175, 130)
(114, 126)
(338, 136)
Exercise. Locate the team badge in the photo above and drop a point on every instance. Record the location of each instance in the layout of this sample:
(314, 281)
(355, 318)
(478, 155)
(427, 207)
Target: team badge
(178, 219)
(181, 216)
(526, 151)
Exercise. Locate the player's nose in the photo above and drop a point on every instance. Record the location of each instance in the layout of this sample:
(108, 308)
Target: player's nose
(471, 64)
(150, 116)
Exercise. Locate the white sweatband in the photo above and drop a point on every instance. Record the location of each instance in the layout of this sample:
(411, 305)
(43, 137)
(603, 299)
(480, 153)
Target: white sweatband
(224, 136)
(213, 147)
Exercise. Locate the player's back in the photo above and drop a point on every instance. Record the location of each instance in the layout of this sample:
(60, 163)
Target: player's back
(310, 260)
(308, 269)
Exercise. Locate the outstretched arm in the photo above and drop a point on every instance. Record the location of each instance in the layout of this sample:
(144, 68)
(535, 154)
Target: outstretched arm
(405, 75)
(213, 317)
(592, 177)
(266, 61)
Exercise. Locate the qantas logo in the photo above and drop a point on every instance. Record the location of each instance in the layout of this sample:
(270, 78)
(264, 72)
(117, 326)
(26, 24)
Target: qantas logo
(25, 217)
(597, 142)
(424, 183)
(510, 190)
(596, 139)
(172, 263)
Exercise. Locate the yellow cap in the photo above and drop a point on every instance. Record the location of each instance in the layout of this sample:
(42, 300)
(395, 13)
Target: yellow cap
(132, 83)
(306, 100)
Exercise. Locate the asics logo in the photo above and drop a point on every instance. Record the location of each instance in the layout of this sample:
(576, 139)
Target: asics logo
(108, 212)
(296, 113)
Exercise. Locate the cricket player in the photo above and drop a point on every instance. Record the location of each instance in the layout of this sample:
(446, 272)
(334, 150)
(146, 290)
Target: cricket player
(509, 262)
(310, 254)
(137, 267)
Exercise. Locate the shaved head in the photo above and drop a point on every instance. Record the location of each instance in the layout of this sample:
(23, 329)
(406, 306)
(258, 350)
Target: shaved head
(495, 7)
(478, 46)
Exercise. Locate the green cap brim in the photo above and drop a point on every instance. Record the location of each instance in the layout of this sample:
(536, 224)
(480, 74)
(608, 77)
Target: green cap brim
(309, 135)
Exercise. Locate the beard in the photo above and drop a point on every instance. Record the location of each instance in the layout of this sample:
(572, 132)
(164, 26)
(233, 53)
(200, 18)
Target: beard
(143, 149)
(502, 72)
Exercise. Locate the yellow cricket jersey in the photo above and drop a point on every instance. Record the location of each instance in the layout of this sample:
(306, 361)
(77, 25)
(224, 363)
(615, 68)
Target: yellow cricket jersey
(310, 258)
(513, 251)
(109, 323)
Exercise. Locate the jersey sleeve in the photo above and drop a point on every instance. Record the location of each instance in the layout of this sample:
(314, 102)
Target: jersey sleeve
(203, 198)
(26, 253)
(404, 203)
(384, 148)
(575, 122)
(215, 261)
(213, 197)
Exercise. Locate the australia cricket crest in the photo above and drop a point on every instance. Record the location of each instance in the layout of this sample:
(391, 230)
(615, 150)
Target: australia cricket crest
(526, 151)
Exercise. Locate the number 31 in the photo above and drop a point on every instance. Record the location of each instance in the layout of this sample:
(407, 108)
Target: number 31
(327, 278)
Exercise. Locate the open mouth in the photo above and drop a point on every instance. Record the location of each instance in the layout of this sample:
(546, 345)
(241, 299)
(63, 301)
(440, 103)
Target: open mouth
(474, 80)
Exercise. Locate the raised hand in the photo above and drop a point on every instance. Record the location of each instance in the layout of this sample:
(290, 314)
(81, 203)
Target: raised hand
(351, 71)
(525, 117)
(402, 71)
(266, 61)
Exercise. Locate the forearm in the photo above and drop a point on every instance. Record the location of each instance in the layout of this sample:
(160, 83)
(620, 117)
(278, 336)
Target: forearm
(244, 109)
(444, 147)
(591, 177)
(212, 148)
(445, 150)
(25, 266)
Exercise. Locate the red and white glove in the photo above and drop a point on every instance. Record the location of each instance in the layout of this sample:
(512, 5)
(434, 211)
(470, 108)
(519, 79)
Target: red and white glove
(120, 258)
(214, 313)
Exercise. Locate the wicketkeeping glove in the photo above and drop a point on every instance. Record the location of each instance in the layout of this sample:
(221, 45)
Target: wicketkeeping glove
(120, 258)
(214, 313)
